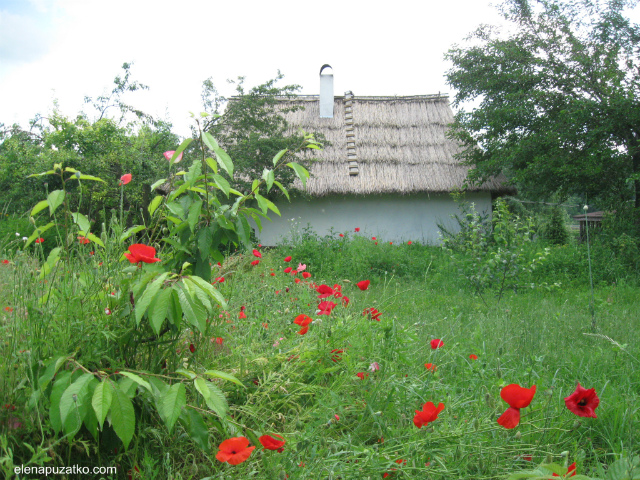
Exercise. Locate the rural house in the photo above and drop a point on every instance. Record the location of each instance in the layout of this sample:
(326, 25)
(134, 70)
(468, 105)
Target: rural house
(389, 169)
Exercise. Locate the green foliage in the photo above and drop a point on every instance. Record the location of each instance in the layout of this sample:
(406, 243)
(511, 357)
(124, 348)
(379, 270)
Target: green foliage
(544, 89)
(554, 229)
(493, 257)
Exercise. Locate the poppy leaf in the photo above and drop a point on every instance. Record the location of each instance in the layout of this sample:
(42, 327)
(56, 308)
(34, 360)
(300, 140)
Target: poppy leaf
(279, 156)
(130, 231)
(223, 376)
(171, 405)
(54, 200)
(302, 172)
(41, 205)
(155, 203)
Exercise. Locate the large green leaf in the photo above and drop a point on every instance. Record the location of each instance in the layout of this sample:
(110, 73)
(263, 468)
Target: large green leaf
(302, 172)
(75, 402)
(278, 156)
(82, 221)
(158, 309)
(123, 418)
(101, 400)
(150, 292)
(196, 428)
(130, 231)
(171, 405)
(213, 396)
(155, 203)
(222, 184)
(224, 376)
(62, 382)
(211, 291)
(136, 378)
(193, 311)
(52, 368)
(55, 199)
(41, 205)
(194, 214)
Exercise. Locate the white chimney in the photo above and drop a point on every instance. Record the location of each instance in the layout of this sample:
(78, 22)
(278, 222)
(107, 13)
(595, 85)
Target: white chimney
(326, 93)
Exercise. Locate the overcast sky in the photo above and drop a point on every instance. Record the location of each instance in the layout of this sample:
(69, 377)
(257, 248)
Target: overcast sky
(65, 49)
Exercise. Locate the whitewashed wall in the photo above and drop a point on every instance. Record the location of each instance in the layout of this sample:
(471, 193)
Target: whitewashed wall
(391, 218)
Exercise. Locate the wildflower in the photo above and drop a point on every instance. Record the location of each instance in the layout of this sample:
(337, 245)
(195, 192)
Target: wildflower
(107, 311)
(303, 320)
(288, 270)
(124, 179)
(373, 313)
(374, 238)
(242, 315)
(303, 330)
(363, 285)
(17, 234)
(5, 262)
(436, 343)
(8, 309)
(341, 235)
(362, 375)
(583, 402)
(141, 253)
(428, 414)
(192, 348)
(473, 356)
(270, 443)
(234, 450)
(517, 397)
(324, 291)
(336, 417)
(39, 240)
(324, 308)
(374, 367)
(431, 367)
(168, 155)
(357, 229)
(219, 280)
(335, 357)
(409, 242)
(255, 262)
(265, 325)
(297, 280)
(24, 239)
(571, 469)
(390, 243)
(287, 259)
(256, 253)
(301, 267)
(218, 340)
(345, 301)
(83, 240)
(305, 275)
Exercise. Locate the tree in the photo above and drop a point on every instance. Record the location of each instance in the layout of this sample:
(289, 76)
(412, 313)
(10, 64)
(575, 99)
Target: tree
(253, 128)
(559, 96)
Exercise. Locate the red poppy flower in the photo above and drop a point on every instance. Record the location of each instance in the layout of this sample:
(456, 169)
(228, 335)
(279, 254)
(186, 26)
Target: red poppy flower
(242, 315)
(517, 397)
(324, 291)
(583, 402)
(301, 267)
(218, 340)
(256, 253)
(270, 443)
(428, 414)
(326, 307)
(83, 240)
(373, 313)
(287, 259)
(306, 274)
(303, 330)
(390, 243)
(431, 367)
(170, 153)
(39, 240)
(373, 238)
(8, 309)
(297, 280)
(336, 357)
(345, 300)
(303, 320)
(287, 270)
(571, 469)
(341, 235)
(473, 356)
(5, 262)
(141, 253)
(409, 242)
(357, 229)
(436, 343)
(363, 285)
(124, 179)
(376, 243)
(192, 348)
(234, 450)
(255, 262)
(362, 375)
(219, 280)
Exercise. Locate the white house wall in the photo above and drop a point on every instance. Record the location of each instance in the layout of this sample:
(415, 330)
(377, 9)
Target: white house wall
(391, 218)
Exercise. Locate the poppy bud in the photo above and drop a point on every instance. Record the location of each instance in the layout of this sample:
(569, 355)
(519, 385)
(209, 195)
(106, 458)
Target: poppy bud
(78, 174)
(488, 399)
(576, 425)
(518, 435)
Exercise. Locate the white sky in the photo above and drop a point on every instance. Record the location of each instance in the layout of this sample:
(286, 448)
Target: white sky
(66, 49)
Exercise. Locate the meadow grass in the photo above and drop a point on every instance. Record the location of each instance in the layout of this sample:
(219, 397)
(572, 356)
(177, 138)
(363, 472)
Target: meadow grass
(295, 386)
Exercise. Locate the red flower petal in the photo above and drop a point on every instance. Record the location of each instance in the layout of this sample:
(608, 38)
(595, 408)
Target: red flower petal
(306, 274)
(234, 450)
(583, 402)
(255, 262)
(510, 418)
(303, 320)
(363, 285)
(124, 179)
(473, 356)
(256, 253)
(141, 253)
(436, 343)
(287, 259)
(270, 443)
(429, 413)
(517, 396)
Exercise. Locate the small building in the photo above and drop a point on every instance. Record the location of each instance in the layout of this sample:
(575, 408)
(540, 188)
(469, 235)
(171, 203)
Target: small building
(388, 168)
(593, 220)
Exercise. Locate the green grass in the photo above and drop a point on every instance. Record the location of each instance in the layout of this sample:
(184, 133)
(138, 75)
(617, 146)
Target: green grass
(292, 387)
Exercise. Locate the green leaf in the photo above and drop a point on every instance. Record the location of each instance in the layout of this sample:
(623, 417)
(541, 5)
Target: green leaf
(273, 207)
(176, 208)
(52, 260)
(244, 230)
(222, 184)
(130, 231)
(194, 214)
(223, 158)
(262, 203)
(158, 309)
(224, 376)
(75, 402)
(269, 177)
(186, 373)
(209, 141)
(63, 380)
(278, 156)
(150, 292)
(196, 428)
(52, 368)
(301, 172)
(624, 469)
(41, 205)
(171, 405)
(54, 200)
(82, 221)
(193, 312)
(88, 177)
(185, 143)
(93, 238)
(136, 378)
(123, 417)
(158, 183)
(155, 203)
(213, 397)
(211, 291)
(101, 400)
(212, 164)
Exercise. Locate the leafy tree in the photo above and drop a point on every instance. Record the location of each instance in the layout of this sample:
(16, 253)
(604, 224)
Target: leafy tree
(253, 128)
(559, 97)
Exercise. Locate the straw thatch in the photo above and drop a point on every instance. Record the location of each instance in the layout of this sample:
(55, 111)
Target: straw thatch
(383, 145)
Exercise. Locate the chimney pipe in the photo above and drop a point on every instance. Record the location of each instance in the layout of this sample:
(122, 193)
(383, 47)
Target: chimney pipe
(326, 93)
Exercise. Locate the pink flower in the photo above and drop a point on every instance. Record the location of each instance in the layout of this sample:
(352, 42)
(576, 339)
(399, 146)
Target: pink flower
(301, 267)
(375, 366)
(168, 155)
(107, 311)
(124, 179)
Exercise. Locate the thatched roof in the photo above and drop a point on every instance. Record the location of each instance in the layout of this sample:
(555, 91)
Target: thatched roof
(382, 145)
